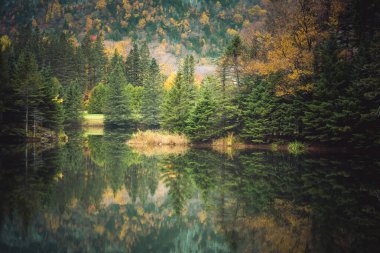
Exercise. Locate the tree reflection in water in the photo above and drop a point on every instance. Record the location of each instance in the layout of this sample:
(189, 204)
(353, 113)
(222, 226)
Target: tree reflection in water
(95, 194)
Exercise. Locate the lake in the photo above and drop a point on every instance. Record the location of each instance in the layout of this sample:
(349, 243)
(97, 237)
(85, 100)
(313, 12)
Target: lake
(96, 194)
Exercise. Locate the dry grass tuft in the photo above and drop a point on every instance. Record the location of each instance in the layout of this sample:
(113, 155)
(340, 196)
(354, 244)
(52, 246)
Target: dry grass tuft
(228, 141)
(157, 138)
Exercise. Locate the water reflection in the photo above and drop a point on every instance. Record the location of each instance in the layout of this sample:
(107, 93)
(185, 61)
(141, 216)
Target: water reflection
(95, 194)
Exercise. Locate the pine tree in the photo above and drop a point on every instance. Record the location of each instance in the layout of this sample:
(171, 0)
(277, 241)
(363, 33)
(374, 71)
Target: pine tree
(152, 97)
(117, 111)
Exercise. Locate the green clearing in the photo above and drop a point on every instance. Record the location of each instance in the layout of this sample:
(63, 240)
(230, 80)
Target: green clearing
(93, 119)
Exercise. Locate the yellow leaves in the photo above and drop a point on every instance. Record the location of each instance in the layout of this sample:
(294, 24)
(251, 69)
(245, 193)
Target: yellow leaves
(124, 24)
(34, 23)
(337, 7)
(54, 10)
(101, 4)
(58, 176)
(141, 24)
(89, 23)
(178, 49)
(232, 32)
(120, 46)
(184, 36)
(99, 229)
(256, 11)
(202, 216)
(5, 43)
(238, 18)
(140, 211)
(204, 19)
(169, 83)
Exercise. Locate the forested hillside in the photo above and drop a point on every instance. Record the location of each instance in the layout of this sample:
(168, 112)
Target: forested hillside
(305, 71)
(187, 25)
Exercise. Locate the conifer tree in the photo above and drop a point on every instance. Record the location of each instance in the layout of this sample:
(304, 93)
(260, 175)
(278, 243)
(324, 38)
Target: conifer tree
(203, 120)
(97, 99)
(152, 96)
(133, 66)
(27, 81)
(117, 111)
(72, 102)
(175, 108)
(144, 61)
(51, 103)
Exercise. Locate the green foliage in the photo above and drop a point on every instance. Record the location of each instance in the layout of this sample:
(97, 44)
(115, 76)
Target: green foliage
(203, 120)
(51, 103)
(72, 102)
(258, 108)
(296, 148)
(97, 99)
(179, 100)
(134, 95)
(152, 96)
(117, 109)
(176, 107)
(133, 66)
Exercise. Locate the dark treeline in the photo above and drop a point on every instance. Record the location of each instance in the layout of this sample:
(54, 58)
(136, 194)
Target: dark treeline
(44, 79)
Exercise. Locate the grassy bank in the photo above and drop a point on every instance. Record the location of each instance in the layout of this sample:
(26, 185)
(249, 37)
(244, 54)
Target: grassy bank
(93, 119)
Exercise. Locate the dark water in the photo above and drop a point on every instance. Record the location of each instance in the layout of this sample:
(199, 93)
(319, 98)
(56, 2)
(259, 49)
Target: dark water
(95, 194)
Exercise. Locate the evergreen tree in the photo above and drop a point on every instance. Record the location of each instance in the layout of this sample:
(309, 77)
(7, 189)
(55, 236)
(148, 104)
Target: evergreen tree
(152, 96)
(27, 81)
(202, 123)
(175, 107)
(72, 102)
(133, 66)
(97, 99)
(51, 103)
(117, 111)
(144, 62)
(99, 59)
(134, 95)
(180, 99)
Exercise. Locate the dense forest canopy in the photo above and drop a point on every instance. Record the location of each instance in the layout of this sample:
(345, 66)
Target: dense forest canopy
(298, 70)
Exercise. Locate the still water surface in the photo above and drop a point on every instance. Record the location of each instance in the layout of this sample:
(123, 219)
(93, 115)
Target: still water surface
(96, 194)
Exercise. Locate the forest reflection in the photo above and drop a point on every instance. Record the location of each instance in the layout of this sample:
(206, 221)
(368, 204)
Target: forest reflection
(96, 194)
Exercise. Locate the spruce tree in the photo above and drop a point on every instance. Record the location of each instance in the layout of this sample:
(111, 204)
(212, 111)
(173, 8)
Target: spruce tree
(133, 66)
(202, 123)
(144, 62)
(175, 107)
(117, 111)
(257, 109)
(27, 81)
(97, 99)
(72, 102)
(51, 104)
(152, 97)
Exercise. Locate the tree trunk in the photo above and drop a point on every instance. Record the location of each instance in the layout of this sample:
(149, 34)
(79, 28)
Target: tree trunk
(26, 116)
